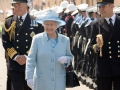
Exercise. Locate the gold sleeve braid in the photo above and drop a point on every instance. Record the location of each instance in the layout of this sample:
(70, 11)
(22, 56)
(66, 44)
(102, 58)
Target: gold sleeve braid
(11, 29)
(28, 51)
(11, 52)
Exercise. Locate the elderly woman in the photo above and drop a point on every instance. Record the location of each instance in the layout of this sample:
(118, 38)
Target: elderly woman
(49, 55)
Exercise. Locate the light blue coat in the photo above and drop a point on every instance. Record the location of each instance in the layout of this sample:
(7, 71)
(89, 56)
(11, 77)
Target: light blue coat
(42, 64)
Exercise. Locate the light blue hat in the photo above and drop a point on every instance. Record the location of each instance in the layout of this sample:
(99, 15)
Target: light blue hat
(50, 15)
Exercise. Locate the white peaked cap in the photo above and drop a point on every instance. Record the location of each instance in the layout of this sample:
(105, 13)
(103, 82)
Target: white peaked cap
(64, 4)
(29, 3)
(92, 9)
(82, 7)
(33, 11)
(75, 12)
(55, 8)
(40, 13)
(116, 10)
(60, 9)
(70, 7)
(36, 14)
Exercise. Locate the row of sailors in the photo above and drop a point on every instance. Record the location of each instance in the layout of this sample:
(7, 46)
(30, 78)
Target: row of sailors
(84, 60)
(81, 31)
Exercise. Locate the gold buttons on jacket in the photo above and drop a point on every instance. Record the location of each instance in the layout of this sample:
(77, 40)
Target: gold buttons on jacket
(26, 40)
(26, 34)
(17, 40)
(110, 56)
(26, 46)
(118, 46)
(17, 34)
(118, 42)
(118, 51)
(110, 52)
(118, 55)
(109, 47)
(17, 47)
(109, 42)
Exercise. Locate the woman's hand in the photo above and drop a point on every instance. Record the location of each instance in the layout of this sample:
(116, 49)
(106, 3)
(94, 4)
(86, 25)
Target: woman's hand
(62, 59)
(30, 83)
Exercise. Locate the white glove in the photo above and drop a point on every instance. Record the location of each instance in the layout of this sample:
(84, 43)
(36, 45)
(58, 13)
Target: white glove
(30, 83)
(62, 59)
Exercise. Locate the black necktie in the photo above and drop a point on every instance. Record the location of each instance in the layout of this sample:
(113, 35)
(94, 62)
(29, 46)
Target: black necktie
(111, 24)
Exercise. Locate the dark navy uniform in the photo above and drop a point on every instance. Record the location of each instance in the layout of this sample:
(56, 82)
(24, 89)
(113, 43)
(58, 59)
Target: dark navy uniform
(63, 16)
(17, 41)
(108, 66)
(69, 19)
(108, 60)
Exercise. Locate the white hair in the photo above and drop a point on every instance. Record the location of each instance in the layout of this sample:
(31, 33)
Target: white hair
(53, 21)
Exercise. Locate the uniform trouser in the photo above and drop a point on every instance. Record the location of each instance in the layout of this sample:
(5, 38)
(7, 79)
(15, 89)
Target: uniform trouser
(108, 83)
(8, 86)
(18, 80)
(8, 83)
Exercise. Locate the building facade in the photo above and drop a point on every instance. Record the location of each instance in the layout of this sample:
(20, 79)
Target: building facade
(40, 4)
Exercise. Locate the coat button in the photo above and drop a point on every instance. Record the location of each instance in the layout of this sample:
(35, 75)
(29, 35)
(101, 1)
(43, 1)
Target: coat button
(52, 50)
(17, 34)
(17, 47)
(52, 79)
(26, 46)
(52, 60)
(118, 51)
(52, 69)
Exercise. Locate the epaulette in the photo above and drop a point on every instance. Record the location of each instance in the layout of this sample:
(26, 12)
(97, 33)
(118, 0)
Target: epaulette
(8, 17)
(11, 28)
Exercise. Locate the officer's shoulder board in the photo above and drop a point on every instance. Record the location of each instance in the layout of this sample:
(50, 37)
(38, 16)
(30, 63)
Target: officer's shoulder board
(11, 27)
(8, 17)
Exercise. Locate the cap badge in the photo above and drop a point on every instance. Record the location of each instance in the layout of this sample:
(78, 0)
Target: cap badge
(99, 0)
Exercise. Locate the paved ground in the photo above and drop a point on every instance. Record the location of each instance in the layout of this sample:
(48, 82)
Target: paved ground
(2, 68)
(3, 73)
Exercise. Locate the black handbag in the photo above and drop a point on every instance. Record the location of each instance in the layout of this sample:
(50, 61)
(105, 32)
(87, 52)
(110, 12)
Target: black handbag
(71, 77)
